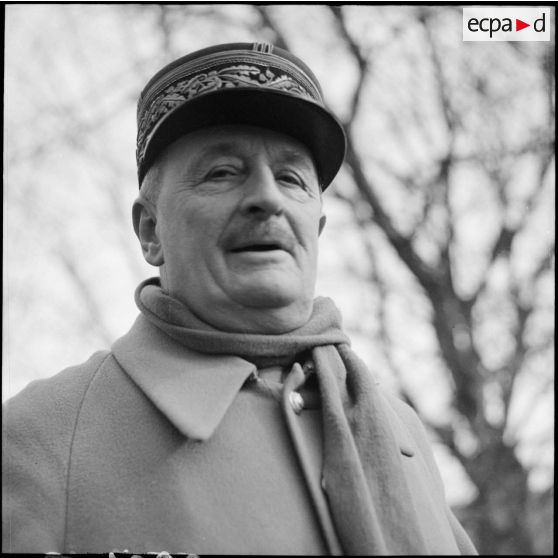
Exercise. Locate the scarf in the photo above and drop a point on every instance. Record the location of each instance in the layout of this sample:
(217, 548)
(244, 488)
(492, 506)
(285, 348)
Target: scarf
(367, 490)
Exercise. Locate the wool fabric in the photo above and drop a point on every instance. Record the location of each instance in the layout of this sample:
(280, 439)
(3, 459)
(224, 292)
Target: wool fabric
(366, 486)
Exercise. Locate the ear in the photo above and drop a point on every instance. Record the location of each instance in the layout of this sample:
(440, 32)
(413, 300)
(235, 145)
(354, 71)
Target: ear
(144, 217)
(322, 224)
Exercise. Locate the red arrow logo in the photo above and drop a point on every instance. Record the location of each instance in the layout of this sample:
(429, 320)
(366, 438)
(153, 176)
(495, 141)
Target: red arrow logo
(519, 25)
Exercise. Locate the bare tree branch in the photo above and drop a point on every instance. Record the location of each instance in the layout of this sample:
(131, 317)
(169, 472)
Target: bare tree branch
(164, 25)
(280, 39)
(450, 116)
(95, 314)
(530, 407)
(363, 63)
(402, 244)
(515, 362)
(503, 244)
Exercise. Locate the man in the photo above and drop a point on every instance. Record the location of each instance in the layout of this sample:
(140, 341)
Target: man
(233, 417)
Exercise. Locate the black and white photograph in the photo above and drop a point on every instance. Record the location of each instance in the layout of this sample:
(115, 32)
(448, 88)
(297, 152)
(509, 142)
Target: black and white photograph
(278, 278)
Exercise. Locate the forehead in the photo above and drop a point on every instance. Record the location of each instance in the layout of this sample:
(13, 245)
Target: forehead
(241, 141)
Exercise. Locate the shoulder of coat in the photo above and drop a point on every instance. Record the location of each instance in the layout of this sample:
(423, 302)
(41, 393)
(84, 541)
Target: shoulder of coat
(48, 405)
(410, 419)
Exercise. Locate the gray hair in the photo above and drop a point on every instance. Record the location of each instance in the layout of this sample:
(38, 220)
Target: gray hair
(151, 184)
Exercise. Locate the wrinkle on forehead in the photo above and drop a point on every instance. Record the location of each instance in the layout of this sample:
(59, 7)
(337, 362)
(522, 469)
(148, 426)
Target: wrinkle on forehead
(242, 141)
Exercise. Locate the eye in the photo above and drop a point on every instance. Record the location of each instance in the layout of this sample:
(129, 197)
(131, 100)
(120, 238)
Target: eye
(291, 178)
(222, 172)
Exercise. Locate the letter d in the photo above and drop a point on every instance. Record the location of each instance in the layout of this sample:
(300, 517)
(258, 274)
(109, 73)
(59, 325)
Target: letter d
(540, 20)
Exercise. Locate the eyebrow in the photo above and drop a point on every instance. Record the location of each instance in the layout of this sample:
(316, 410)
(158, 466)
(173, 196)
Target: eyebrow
(284, 155)
(294, 156)
(221, 148)
(201, 158)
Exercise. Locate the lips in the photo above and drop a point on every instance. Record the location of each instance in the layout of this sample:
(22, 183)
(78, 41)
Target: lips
(260, 239)
(259, 247)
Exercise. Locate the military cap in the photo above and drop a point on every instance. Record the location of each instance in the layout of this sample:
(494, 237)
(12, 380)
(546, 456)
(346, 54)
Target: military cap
(255, 84)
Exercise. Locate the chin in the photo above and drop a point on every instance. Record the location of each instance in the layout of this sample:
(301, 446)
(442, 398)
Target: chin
(267, 298)
(272, 295)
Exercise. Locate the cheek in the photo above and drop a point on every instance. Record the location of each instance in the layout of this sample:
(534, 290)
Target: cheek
(194, 233)
(308, 225)
(182, 219)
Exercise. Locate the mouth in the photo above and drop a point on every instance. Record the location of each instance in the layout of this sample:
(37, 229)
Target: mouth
(260, 240)
(258, 247)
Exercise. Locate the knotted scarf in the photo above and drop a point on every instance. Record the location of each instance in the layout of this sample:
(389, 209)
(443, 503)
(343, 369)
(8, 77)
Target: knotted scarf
(367, 489)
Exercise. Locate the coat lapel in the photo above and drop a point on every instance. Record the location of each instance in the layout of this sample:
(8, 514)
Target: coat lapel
(193, 390)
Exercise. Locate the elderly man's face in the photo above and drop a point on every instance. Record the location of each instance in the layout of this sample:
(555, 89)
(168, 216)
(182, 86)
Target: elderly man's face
(238, 219)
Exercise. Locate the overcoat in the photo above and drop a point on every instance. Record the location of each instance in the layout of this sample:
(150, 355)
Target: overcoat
(152, 447)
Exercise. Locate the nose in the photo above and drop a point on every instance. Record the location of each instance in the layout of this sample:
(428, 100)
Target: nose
(262, 196)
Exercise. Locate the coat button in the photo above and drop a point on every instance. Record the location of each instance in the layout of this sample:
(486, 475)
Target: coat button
(296, 401)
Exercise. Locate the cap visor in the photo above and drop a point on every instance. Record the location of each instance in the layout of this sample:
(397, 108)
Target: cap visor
(301, 119)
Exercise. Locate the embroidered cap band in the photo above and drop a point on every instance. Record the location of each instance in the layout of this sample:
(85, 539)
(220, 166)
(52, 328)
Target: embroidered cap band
(254, 84)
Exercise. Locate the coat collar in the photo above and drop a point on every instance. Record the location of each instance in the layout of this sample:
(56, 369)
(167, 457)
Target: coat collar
(193, 390)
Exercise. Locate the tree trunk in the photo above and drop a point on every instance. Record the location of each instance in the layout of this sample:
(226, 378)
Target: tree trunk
(498, 518)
